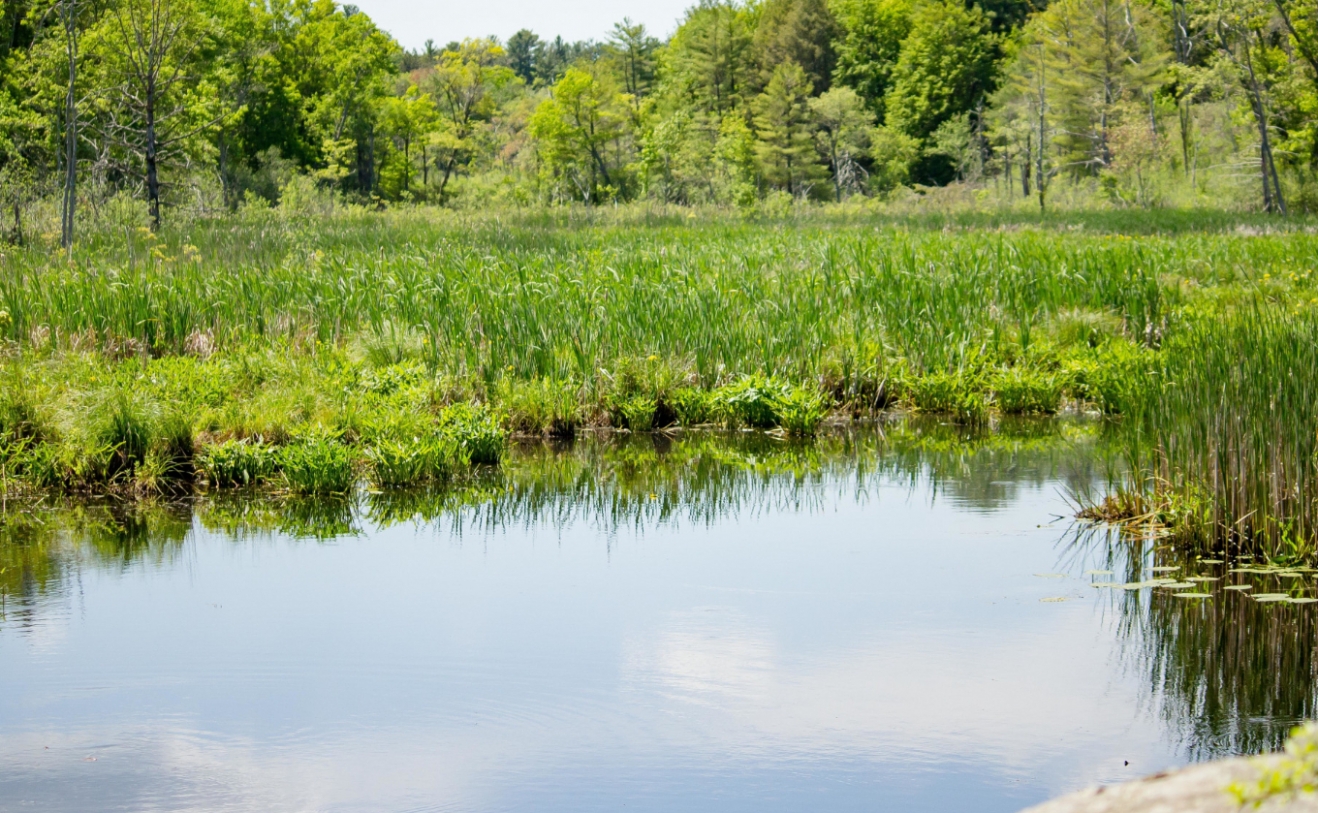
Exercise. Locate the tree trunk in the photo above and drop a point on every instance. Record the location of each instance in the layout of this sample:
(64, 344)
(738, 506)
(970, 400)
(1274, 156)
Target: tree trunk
(1272, 199)
(69, 11)
(1025, 166)
(152, 170)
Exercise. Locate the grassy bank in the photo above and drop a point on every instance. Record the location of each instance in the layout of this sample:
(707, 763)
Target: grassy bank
(399, 347)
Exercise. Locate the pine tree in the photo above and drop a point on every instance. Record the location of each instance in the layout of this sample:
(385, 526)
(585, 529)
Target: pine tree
(801, 31)
(784, 131)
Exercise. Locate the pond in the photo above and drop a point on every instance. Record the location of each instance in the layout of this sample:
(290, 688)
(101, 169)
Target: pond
(894, 617)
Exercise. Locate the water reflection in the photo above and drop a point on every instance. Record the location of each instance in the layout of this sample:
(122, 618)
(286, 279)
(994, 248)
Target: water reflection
(611, 482)
(701, 621)
(1228, 675)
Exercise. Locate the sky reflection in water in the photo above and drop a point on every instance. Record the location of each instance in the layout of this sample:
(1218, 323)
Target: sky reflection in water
(696, 624)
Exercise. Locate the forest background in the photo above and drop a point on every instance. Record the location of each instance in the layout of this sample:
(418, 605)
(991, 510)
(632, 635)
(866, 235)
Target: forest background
(210, 105)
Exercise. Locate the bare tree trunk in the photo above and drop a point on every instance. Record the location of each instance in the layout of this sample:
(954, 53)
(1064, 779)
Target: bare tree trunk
(1272, 199)
(1025, 165)
(152, 159)
(69, 10)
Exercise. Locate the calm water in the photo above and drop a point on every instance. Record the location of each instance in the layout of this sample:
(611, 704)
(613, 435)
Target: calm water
(648, 624)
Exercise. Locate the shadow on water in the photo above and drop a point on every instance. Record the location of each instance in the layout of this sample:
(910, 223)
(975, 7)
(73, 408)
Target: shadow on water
(1228, 675)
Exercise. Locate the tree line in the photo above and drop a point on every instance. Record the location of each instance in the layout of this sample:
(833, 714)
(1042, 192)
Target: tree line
(221, 103)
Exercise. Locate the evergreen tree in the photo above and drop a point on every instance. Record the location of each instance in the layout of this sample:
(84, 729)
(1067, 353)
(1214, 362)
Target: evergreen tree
(630, 52)
(707, 65)
(1102, 53)
(522, 51)
(784, 131)
(800, 31)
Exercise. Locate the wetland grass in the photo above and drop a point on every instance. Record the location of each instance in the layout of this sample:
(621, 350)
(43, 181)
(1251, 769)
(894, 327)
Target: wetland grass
(395, 334)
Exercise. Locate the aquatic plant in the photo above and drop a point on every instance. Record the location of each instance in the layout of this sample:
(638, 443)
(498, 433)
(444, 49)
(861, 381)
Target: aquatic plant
(318, 466)
(238, 463)
(413, 461)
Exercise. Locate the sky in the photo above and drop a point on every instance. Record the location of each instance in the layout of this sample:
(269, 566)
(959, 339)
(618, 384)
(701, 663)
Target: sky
(412, 23)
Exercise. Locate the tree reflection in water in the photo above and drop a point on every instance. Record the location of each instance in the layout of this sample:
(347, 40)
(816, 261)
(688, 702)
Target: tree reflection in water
(1228, 675)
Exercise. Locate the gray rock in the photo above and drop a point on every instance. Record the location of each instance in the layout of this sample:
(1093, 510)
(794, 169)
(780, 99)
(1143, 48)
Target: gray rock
(1197, 789)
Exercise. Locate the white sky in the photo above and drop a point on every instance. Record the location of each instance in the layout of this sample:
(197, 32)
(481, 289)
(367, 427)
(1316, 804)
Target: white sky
(412, 23)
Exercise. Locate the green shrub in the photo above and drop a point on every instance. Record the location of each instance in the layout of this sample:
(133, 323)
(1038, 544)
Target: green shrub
(541, 406)
(1027, 392)
(390, 379)
(238, 463)
(475, 430)
(636, 413)
(123, 425)
(1111, 378)
(957, 394)
(750, 401)
(691, 406)
(800, 411)
(413, 461)
(318, 466)
(18, 416)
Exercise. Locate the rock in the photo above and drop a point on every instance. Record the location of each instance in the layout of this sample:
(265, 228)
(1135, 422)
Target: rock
(1197, 789)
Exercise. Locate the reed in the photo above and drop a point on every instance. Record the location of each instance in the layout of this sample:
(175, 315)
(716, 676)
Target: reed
(1231, 425)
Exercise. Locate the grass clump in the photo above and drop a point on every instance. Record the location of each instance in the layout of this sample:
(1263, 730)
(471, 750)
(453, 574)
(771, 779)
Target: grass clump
(636, 413)
(413, 461)
(1023, 392)
(541, 406)
(959, 394)
(476, 431)
(318, 466)
(238, 463)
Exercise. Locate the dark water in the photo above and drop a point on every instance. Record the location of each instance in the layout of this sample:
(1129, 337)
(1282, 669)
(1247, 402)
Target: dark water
(687, 624)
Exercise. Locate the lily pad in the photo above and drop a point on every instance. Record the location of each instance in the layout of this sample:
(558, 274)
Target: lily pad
(1213, 561)
(1164, 569)
(1202, 579)
(1193, 595)
(1302, 600)
(1178, 586)
(1267, 597)
(1238, 587)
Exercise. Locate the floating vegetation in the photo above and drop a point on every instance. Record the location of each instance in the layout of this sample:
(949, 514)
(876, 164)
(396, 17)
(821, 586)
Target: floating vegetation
(1193, 595)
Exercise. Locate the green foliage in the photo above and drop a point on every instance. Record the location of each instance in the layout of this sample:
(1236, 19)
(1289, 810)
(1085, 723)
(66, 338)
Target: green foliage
(692, 406)
(800, 410)
(871, 42)
(578, 129)
(784, 141)
(317, 465)
(475, 430)
(798, 31)
(947, 67)
(238, 463)
(1293, 775)
(1020, 391)
(541, 406)
(413, 461)
(636, 412)
(959, 394)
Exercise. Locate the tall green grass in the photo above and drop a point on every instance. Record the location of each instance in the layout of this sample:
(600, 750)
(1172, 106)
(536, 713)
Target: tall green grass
(494, 300)
(1225, 435)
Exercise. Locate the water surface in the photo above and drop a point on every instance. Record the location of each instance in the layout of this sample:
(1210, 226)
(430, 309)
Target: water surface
(888, 619)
